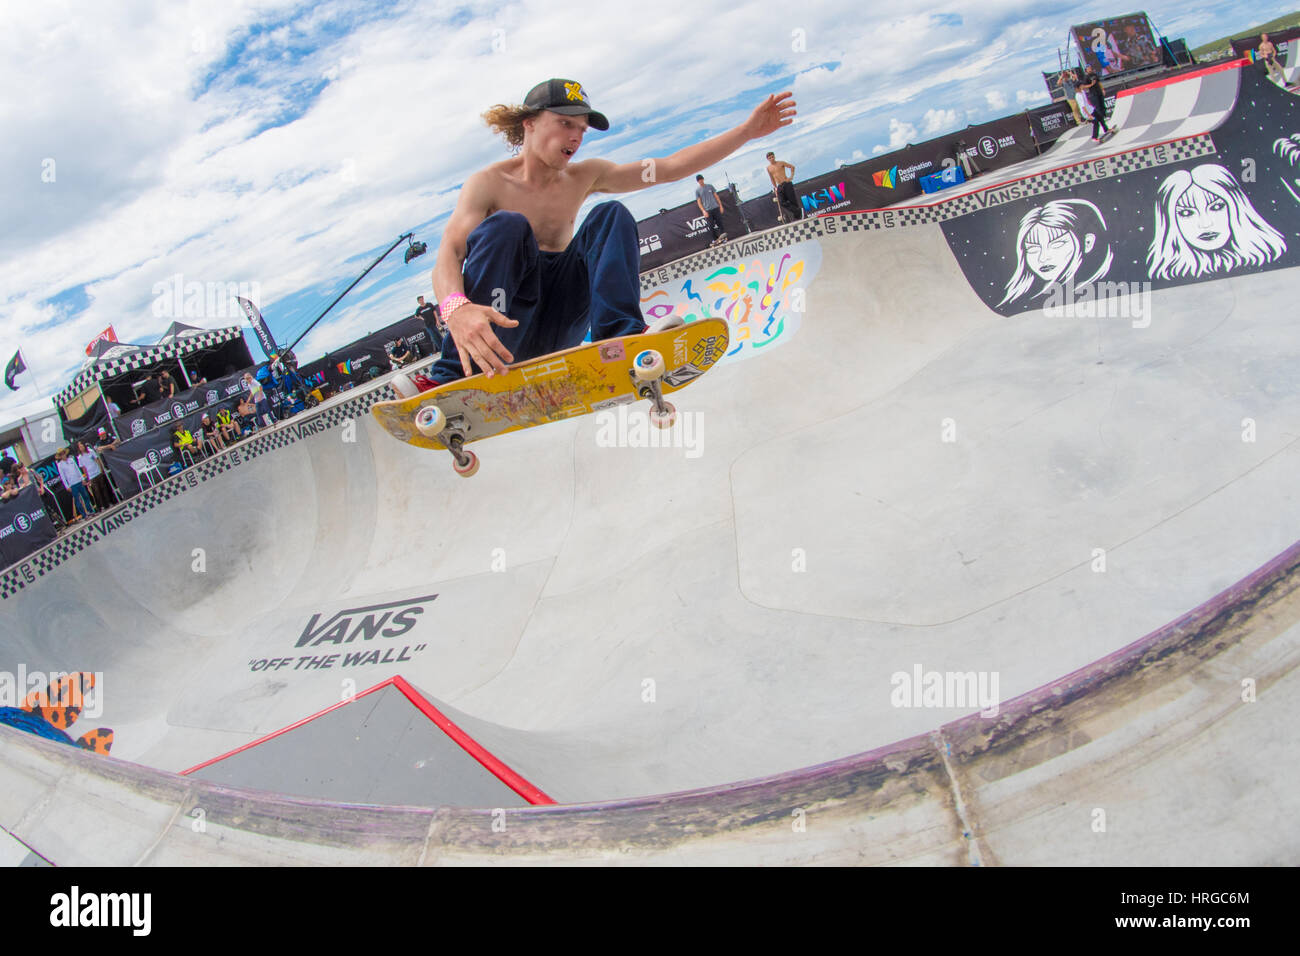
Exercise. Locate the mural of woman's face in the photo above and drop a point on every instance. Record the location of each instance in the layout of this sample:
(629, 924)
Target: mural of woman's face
(1049, 253)
(1202, 219)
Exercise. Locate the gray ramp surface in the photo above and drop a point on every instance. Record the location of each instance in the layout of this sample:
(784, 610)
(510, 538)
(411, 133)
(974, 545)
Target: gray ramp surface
(937, 577)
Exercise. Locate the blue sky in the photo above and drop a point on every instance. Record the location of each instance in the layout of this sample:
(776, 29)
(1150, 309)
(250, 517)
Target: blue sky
(283, 146)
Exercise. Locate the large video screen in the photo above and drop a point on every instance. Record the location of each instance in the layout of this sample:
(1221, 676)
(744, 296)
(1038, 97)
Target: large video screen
(1118, 45)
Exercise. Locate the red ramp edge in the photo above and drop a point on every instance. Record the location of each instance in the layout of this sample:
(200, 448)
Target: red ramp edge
(534, 795)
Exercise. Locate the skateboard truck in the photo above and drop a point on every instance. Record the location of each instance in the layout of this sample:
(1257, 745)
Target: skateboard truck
(647, 373)
(431, 422)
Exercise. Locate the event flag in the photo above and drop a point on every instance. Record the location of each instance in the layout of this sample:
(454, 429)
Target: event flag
(263, 334)
(15, 368)
(108, 335)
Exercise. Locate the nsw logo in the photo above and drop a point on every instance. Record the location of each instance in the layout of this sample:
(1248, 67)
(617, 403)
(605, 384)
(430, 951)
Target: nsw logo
(823, 197)
(886, 178)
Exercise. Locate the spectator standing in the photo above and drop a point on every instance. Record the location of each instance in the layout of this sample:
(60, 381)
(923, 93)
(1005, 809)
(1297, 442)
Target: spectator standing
(30, 476)
(782, 173)
(166, 384)
(72, 478)
(257, 395)
(149, 390)
(710, 203)
(427, 313)
(1070, 87)
(89, 464)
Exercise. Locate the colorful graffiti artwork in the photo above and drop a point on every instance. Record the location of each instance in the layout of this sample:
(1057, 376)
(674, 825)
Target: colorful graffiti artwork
(762, 296)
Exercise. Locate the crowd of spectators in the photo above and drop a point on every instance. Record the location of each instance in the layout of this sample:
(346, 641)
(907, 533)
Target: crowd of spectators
(81, 471)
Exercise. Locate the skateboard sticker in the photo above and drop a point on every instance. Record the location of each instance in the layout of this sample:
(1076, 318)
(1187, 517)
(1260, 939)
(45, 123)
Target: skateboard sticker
(559, 366)
(709, 350)
(613, 402)
(685, 373)
(612, 352)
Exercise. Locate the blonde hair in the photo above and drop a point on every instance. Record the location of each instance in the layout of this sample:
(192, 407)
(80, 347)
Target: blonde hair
(509, 122)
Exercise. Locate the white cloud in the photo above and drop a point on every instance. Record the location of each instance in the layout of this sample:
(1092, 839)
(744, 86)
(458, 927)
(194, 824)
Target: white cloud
(936, 122)
(1031, 96)
(342, 124)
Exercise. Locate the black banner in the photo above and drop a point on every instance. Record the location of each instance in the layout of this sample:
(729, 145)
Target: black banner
(684, 230)
(86, 428)
(1281, 39)
(155, 447)
(352, 363)
(1049, 123)
(24, 526)
(220, 393)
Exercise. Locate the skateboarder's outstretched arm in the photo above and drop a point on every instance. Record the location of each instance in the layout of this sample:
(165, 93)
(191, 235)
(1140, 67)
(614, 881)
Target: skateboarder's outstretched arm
(470, 325)
(774, 112)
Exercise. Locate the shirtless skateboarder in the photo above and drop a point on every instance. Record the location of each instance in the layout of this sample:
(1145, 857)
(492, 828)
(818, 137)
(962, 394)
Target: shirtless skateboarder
(513, 279)
(781, 173)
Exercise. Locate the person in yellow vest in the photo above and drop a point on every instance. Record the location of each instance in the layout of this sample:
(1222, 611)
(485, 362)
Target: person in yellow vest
(227, 425)
(182, 440)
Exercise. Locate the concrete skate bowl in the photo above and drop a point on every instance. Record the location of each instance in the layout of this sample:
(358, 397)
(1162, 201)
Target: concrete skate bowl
(737, 644)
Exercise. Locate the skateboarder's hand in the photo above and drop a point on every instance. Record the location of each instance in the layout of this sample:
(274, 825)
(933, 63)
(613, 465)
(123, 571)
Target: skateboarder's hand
(770, 115)
(471, 329)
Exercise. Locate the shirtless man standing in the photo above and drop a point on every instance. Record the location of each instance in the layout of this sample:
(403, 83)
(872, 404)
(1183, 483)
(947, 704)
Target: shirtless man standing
(509, 256)
(782, 173)
(1269, 54)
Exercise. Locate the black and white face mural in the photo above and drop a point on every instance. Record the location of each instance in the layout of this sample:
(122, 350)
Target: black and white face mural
(1062, 241)
(1288, 149)
(1230, 212)
(1205, 225)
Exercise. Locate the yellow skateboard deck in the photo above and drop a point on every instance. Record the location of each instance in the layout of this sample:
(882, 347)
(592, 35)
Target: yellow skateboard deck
(586, 378)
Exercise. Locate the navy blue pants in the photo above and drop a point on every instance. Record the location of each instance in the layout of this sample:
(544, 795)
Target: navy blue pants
(556, 297)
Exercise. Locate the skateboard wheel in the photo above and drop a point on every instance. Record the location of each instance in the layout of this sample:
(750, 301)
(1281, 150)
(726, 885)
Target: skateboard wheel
(404, 387)
(468, 469)
(430, 421)
(648, 366)
(665, 419)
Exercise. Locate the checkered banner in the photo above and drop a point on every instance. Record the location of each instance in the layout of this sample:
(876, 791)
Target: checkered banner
(119, 359)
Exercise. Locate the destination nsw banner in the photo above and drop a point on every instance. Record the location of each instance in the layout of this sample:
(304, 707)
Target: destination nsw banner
(137, 421)
(880, 182)
(24, 526)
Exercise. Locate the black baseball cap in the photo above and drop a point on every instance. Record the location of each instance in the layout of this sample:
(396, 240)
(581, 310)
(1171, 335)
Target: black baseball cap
(566, 97)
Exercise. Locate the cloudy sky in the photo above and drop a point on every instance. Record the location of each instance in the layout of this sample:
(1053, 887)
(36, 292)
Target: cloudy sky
(283, 146)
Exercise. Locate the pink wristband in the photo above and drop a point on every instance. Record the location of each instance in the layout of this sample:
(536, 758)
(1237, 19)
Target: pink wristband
(451, 304)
